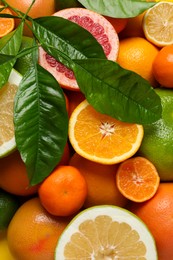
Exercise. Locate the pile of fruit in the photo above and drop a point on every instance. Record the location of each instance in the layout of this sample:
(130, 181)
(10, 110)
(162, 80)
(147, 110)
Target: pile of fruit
(86, 129)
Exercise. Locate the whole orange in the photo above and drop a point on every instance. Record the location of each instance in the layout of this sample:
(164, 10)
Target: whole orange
(33, 233)
(64, 191)
(137, 54)
(163, 66)
(100, 180)
(157, 213)
(13, 176)
(39, 8)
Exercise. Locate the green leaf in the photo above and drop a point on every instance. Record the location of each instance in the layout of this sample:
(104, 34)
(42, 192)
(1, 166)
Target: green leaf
(66, 39)
(41, 122)
(117, 92)
(117, 8)
(9, 46)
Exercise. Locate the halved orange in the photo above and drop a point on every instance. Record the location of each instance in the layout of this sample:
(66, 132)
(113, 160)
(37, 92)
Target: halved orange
(101, 138)
(6, 24)
(137, 179)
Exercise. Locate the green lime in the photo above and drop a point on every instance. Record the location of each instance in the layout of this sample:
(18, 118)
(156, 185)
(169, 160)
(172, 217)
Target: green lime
(106, 232)
(23, 63)
(8, 206)
(157, 144)
(62, 4)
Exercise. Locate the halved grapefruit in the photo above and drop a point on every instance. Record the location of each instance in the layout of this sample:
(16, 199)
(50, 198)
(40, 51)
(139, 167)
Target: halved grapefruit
(98, 26)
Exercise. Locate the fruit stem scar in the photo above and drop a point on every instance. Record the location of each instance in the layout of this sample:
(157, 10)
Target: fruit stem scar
(107, 129)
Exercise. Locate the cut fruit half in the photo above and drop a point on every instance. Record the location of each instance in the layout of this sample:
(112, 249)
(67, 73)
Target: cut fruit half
(7, 94)
(137, 179)
(106, 232)
(6, 24)
(101, 138)
(98, 26)
(158, 24)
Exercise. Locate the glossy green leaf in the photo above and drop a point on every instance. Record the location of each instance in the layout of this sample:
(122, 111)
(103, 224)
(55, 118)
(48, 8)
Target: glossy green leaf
(41, 122)
(117, 92)
(67, 39)
(117, 8)
(9, 46)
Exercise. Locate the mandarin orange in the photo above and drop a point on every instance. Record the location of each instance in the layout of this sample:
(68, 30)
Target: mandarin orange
(163, 66)
(64, 191)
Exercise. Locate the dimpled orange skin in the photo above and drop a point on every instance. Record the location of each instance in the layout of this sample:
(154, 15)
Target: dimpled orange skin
(157, 214)
(163, 66)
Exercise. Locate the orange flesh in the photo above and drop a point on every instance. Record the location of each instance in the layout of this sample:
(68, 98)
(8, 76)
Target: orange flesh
(6, 24)
(102, 135)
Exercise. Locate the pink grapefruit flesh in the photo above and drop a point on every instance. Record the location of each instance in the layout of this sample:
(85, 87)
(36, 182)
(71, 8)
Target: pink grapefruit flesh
(98, 26)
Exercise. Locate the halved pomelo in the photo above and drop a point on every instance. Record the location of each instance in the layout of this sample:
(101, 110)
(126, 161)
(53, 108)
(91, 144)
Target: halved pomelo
(106, 232)
(98, 26)
(7, 94)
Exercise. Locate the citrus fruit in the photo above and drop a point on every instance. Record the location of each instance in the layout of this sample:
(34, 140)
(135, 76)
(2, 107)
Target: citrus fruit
(98, 26)
(7, 24)
(106, 232)
(118, 23)
(13, 176)
(100, 178)
(137, 54)
(8, 206)
(74, 98)
(157, 24)
(133, 27)
(33, 232)
(157, 214)
(39, 8)
(101, 138)
(7, 94)
(163, 66)
(23, 63)
(137, 179)
(4, 250)
(64, 191)
(157, 144)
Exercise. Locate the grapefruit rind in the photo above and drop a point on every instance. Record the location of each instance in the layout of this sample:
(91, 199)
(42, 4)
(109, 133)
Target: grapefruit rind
(115, 214)
(9, 146)
(92, 157)
(158, 24)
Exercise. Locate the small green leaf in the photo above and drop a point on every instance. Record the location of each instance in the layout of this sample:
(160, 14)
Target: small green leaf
(117, 8)
(117, 92)
(66, 39)
(9, 46)
(41, 123)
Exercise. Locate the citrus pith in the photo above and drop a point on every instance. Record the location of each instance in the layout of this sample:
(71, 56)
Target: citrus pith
(101, 138)
(106, 232)
(157, 24)
(7, 95)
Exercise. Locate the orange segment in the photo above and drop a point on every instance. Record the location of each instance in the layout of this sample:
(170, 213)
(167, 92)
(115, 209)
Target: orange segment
(6, 24)
(137, 179)
(101, 138)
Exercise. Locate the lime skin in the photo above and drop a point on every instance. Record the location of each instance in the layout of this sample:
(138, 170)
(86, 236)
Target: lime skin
(157, 144)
